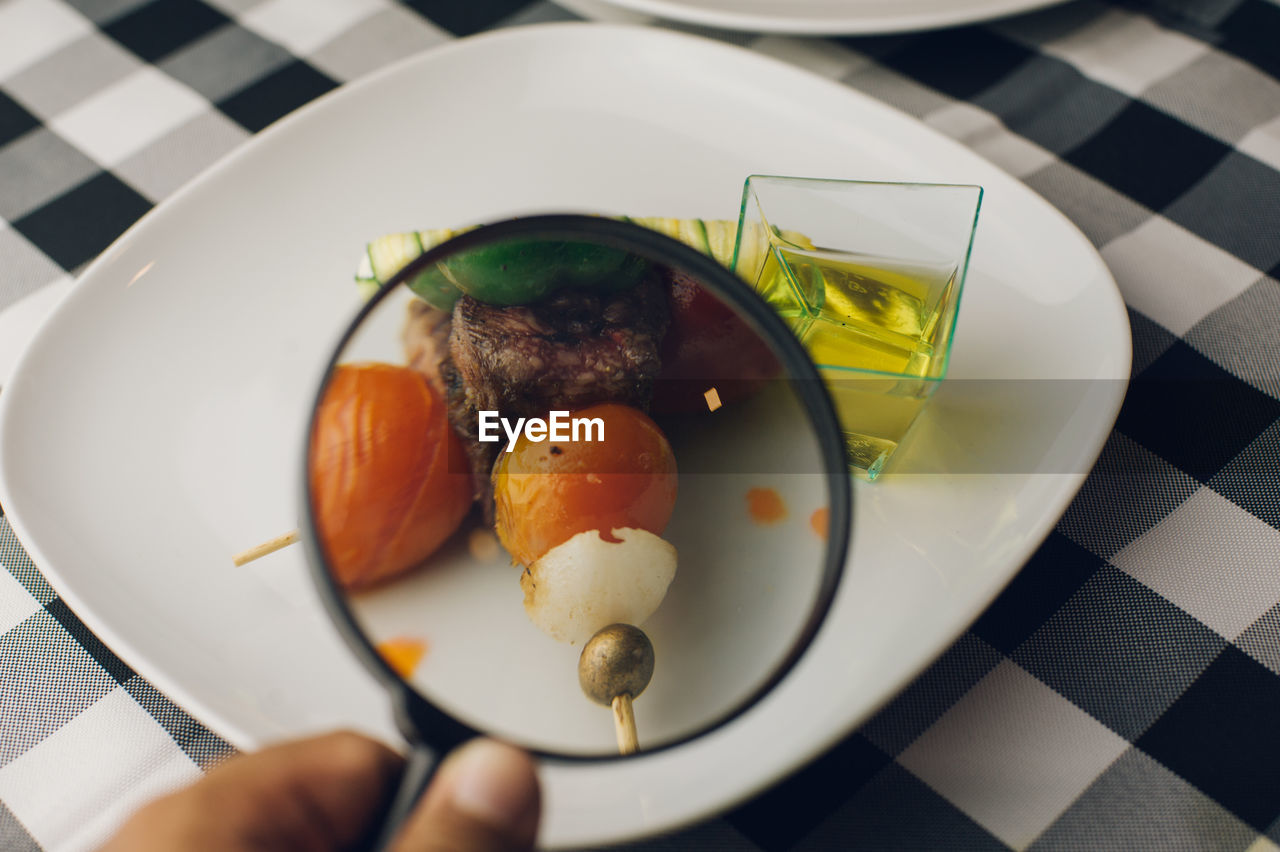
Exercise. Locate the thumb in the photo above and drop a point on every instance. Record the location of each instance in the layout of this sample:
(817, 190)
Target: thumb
(484, 798)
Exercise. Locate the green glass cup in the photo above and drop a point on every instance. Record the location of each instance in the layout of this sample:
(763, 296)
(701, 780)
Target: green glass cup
(869, 277)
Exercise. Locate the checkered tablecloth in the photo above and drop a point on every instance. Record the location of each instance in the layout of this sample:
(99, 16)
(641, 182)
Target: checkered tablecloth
(1122, 693)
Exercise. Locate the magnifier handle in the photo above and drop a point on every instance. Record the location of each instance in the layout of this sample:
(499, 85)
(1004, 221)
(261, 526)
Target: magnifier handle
(419, 768)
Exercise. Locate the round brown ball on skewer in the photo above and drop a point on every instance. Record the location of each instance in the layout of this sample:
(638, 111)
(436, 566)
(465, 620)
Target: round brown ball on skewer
(617, 660)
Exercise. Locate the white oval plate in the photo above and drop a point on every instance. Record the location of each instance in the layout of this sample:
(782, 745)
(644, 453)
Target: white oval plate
(816, 17)
(153, 426)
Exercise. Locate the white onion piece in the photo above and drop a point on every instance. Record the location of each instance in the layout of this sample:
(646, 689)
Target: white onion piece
(588, 583)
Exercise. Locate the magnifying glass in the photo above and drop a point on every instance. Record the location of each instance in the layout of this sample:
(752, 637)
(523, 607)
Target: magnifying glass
(572, 484)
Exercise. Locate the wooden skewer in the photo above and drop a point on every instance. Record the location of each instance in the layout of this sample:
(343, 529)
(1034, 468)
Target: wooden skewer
(261, 550)
(624, 724)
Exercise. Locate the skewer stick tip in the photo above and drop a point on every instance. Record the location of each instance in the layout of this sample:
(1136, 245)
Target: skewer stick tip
(257, 552)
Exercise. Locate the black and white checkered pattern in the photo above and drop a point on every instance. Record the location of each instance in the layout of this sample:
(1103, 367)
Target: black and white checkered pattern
(1122, 692)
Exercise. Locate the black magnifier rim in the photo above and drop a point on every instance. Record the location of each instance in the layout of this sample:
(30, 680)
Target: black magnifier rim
(435, 728)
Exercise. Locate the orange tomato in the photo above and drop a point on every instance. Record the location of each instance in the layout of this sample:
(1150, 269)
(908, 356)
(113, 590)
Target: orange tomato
(389, 478)
(547, 492)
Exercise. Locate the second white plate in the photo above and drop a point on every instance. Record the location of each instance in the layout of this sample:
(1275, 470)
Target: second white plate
(154, 426)
(816, 17)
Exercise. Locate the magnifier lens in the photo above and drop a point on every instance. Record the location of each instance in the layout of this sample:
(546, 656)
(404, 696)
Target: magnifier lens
(551, 426)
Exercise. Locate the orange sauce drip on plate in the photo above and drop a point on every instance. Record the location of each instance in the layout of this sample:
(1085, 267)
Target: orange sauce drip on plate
(818, 521)
(765, 506)
(403, 654)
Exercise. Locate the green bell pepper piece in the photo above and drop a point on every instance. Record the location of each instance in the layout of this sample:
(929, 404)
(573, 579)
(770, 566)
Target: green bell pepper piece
(520, 272)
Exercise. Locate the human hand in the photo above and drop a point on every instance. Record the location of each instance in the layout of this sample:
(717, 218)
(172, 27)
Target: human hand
(326, 793)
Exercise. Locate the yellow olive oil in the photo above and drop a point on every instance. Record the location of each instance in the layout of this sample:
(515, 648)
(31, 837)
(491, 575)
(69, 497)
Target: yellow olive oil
(863, 313)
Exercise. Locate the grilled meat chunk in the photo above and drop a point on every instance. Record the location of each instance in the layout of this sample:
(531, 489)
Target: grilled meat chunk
(575, 348)
(426, 342)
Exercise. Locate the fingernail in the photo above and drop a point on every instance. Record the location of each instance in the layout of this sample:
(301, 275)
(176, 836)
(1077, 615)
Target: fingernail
(495, 784)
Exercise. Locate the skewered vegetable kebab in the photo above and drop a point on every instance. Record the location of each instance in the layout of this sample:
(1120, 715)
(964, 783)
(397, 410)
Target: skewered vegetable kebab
(584, 574)
(583, 518)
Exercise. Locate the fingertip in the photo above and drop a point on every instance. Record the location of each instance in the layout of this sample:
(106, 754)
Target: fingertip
(496, 784)
(485, 798)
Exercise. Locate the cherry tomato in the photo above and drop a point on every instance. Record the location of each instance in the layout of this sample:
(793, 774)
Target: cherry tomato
(389, 478)
(546, 492)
